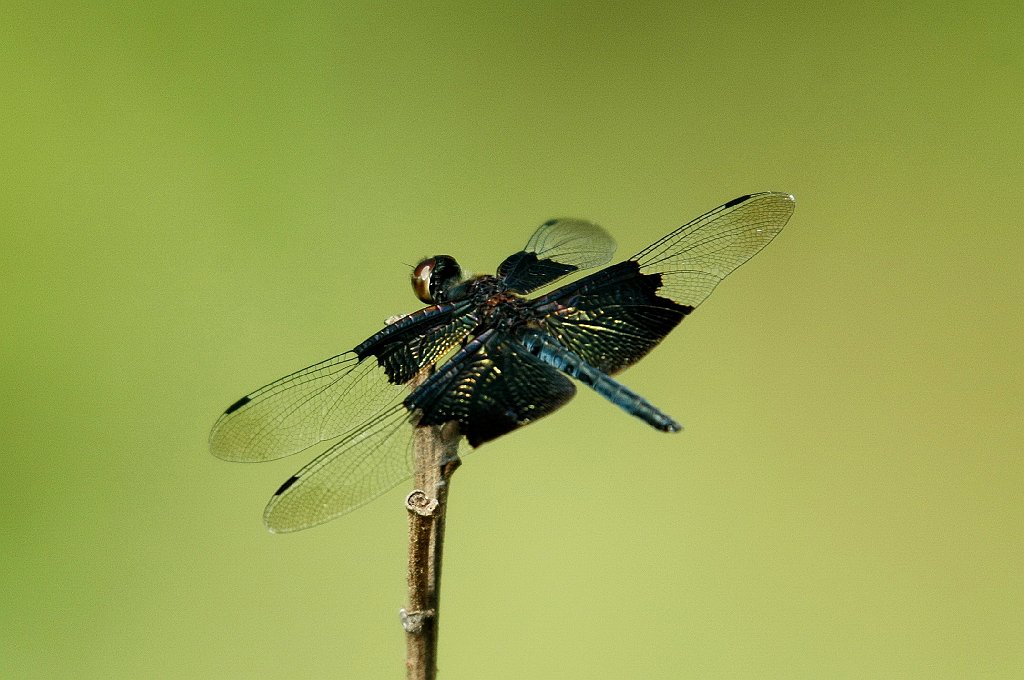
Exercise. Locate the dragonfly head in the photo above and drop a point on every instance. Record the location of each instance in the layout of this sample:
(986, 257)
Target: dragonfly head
(434, 276)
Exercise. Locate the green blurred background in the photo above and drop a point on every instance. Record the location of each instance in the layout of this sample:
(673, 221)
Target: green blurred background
(197, 199)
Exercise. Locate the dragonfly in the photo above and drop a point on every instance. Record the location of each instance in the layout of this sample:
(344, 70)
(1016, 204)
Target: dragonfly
(494, 358)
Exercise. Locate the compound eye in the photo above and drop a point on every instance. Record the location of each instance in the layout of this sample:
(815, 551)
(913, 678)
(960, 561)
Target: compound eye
(421, 280)
(432, 277)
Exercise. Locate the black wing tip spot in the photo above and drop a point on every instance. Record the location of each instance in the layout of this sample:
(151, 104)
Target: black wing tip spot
(237, 405)
(737, 201)
(550, 222)
(287, 485)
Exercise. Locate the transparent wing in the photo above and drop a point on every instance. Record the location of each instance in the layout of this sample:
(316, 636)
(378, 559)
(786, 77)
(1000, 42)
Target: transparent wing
(326, 399)
(557, 248)
(694, 258)
(302, 409)
(615, 316)
(368, 461)
(573, 242)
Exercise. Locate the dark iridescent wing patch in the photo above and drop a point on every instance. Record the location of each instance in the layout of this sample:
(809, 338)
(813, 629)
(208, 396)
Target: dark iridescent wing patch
(611, 318)
(615, 316)
(558, 247)
(405, 347)
(491, 387)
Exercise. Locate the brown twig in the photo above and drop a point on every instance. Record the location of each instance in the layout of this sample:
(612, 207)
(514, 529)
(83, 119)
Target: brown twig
(435, 451)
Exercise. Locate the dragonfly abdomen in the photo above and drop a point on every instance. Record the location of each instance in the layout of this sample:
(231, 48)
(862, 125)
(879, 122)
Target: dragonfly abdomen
(555, 355)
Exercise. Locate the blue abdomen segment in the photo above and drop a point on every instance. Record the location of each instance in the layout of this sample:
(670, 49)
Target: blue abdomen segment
(548, 350)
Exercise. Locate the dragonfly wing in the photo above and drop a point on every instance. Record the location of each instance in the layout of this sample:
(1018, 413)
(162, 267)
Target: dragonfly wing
(368, 461)
(694, 258)
(615, 316)
(558, 247)
(302, 409)
(326, 399)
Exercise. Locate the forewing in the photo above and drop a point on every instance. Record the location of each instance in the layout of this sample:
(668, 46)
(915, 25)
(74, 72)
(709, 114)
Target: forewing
(325, 400)
(491, 387)
(694, 258)
(301, 409)
(367, 462)
(615, 316)
(557, 248)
